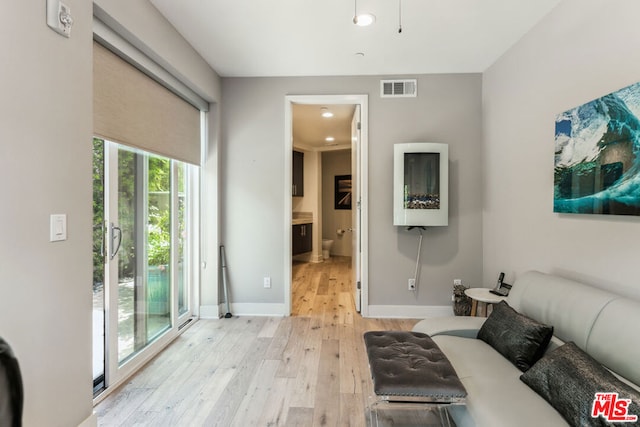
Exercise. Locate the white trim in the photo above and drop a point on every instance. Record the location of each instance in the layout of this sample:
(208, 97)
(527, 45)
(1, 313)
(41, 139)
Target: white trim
(91, 421)
(258, 309)
(210, 311)
(410, 311)
(363, 101)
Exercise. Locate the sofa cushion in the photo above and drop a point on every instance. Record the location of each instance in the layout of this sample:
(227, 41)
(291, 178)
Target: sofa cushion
(519, 338)
(554, 301)
(568, 378)
(614, 328)
(495, 395)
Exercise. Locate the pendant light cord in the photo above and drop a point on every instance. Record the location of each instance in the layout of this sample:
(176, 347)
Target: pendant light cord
(399, 16)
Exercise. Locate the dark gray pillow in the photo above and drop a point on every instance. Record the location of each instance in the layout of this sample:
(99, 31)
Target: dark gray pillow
(568, 378)
(517, 337)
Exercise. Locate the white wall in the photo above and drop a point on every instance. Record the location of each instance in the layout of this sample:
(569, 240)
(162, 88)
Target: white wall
(45, 167)
(584, 49)
(448, 109)
(335, 163)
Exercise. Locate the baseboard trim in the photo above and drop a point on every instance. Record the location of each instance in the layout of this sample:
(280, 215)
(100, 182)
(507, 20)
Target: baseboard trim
(409, 311)
(210, 312)
(92, 421)
(257, 309)
(242, 309)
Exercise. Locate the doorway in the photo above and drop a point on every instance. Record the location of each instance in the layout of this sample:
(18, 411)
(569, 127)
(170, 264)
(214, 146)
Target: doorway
(359, 230)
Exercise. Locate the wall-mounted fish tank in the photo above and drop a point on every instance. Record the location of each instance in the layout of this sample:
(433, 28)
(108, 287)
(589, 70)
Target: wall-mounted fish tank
(421, 184)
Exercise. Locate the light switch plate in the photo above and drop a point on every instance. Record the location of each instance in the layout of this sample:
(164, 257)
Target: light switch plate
(58, 227)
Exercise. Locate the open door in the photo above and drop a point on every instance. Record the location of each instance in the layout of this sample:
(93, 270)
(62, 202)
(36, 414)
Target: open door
(356, 211)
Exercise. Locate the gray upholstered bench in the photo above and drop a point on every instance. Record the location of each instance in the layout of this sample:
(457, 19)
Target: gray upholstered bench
(409, 367)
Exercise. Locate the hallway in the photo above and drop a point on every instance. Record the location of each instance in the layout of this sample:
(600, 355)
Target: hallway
(323, 288)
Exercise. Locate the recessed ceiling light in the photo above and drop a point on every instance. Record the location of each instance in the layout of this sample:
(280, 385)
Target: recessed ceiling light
(329, 139)
(364, 19)
(326, 112)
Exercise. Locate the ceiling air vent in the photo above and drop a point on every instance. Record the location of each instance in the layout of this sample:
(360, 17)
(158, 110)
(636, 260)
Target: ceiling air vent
(398, 88)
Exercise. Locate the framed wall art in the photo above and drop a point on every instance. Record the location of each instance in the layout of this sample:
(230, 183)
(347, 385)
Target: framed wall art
(343, 192)
(597, 156)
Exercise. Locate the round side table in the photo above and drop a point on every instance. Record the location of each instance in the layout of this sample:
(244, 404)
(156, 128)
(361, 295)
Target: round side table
(482, 295)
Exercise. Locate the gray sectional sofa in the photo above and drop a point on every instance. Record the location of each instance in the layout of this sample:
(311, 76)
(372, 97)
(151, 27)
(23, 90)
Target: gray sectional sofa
(603, 324)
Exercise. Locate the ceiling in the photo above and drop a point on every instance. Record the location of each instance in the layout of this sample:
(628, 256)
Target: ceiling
(250, 38)
(259, 38)
(310, 129)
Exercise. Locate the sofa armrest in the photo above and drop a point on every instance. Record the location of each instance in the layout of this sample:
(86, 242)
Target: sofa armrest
(461, 326)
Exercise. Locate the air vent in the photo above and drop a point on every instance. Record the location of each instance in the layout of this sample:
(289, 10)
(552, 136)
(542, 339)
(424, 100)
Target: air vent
(398, 88)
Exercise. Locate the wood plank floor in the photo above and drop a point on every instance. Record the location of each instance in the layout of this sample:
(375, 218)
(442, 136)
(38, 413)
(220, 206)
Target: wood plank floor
(309, 369)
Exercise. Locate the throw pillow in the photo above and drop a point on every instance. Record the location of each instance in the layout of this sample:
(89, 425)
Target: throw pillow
(517, 337)
(568, 378)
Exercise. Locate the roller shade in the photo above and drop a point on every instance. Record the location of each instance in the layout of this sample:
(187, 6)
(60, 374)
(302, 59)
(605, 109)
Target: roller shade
(132, 109)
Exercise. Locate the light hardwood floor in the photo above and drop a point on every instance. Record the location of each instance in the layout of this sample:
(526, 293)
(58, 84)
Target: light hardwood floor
(309, 369)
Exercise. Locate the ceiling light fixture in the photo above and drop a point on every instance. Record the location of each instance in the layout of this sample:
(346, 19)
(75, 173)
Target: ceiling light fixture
(362, 19)
(329, 139)
(325, 112)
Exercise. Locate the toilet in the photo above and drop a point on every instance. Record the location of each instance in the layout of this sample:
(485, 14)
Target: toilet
(326, 248)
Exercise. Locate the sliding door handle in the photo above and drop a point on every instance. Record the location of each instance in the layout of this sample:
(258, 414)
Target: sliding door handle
(114, 233)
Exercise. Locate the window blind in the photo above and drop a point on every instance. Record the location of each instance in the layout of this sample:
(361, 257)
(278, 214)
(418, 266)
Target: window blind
(132, 109)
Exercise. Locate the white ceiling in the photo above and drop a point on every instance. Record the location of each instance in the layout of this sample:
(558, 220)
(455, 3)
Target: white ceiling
(310, 129)
(251, 38)
(318, 37)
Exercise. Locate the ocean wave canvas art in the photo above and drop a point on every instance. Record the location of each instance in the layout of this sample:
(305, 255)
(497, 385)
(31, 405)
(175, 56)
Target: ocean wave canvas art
(597, 156)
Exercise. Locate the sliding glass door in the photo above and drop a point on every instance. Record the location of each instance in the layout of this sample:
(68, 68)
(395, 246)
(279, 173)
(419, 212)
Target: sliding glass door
(141, 253)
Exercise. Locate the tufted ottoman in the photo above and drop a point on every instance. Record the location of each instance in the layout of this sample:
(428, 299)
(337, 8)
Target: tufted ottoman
(409, 367)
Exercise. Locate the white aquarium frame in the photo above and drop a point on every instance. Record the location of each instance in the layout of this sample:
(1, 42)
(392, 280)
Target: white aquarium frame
(420, 217)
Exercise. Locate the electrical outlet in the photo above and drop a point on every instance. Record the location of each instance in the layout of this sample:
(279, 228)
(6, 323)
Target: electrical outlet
(457, 282)
(411, 284)
(267, 282)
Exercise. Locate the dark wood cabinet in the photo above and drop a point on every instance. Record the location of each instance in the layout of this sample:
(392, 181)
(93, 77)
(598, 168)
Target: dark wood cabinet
(301, 239)
(298, 174)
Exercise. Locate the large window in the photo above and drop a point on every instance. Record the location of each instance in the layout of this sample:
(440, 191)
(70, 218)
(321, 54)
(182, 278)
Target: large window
(142, 240)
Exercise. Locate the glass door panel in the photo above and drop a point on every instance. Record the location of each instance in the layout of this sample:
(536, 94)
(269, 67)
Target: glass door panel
(128, 278)
(158, 295)
(183, 297)
(98, 267)
(141, 261)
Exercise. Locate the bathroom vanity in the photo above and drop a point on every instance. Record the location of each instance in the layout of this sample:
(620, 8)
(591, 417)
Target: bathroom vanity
(301, 238)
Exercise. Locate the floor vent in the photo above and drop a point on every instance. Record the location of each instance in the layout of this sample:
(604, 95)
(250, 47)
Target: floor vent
(398, 88)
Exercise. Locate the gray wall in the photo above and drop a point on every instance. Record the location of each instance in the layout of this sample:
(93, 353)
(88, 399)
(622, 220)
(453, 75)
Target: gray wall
(581, 51)
(45, 158)
(448, 110)
(45, 167)
(335, 163)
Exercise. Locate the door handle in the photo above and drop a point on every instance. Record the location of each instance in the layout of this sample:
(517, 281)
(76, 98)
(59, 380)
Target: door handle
(114, 232)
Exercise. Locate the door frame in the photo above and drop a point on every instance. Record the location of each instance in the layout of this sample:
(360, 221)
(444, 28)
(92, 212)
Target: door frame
(363, 102)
